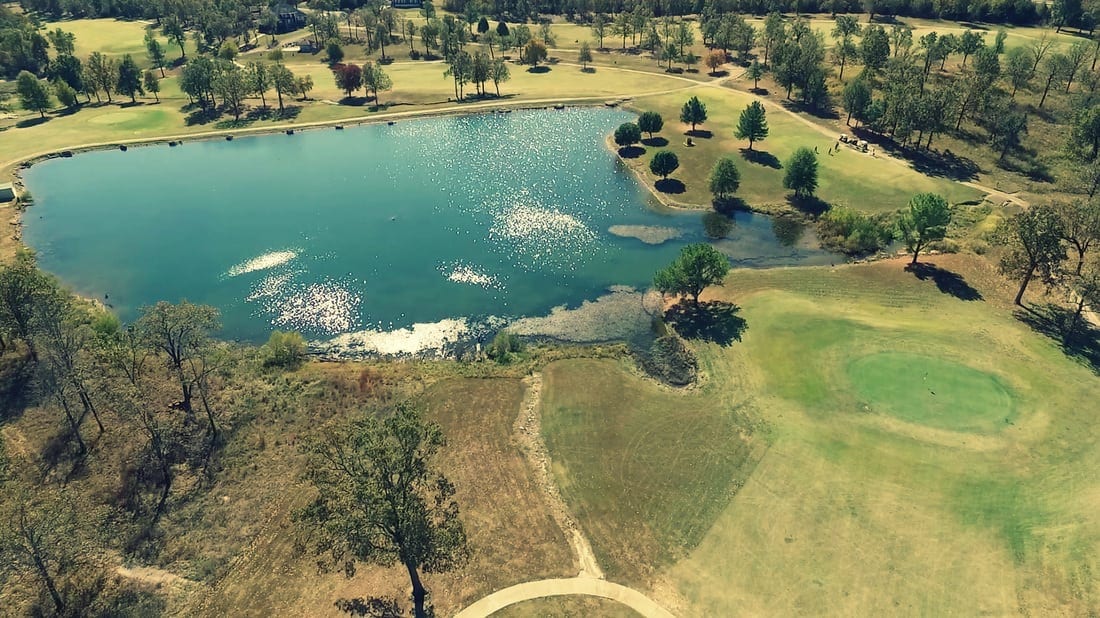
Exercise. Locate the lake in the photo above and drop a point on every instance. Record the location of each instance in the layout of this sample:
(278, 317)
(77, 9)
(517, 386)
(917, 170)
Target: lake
(374, 228)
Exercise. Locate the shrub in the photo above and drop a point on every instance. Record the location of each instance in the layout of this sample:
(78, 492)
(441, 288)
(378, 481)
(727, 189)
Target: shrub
(284, 349)
(854, 233)
(504, 347)
(414, 54)
(671, 361)
(628, 134)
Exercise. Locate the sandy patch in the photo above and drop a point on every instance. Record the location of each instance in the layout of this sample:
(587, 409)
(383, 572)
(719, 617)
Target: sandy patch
(649, 234)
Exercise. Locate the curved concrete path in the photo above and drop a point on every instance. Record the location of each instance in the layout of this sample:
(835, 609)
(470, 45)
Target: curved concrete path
(585, 586)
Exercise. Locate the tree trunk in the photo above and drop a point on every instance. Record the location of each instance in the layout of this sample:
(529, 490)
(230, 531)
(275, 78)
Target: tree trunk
(1046, 90)
(44, 573)
(1023, 286)
(280, 93)
(916, 252)
(418, 591)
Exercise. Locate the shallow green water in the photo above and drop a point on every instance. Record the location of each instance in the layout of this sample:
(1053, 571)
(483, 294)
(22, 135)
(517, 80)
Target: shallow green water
(369, 228)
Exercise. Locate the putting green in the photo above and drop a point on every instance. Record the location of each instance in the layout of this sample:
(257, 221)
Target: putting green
(931, 391)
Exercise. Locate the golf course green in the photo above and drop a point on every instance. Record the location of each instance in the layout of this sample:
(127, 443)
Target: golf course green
(931, 391)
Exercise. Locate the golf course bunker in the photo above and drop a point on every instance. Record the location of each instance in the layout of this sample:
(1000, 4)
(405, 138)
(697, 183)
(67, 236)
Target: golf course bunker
(931, 391)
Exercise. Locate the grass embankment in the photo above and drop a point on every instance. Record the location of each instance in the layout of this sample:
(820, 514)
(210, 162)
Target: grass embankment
(865, 501)
(848, 177)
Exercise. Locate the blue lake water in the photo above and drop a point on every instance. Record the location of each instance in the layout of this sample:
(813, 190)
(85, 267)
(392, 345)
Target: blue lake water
(371, 228)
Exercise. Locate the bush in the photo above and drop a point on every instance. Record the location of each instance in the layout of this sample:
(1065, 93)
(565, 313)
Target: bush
(505, 347)
(671, 361)
(628, 134)
(284, 349)
(414, 54)
(854, 233)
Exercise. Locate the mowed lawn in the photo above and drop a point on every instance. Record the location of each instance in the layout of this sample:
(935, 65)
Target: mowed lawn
(857, 499)
(847, 178)
(116, 38)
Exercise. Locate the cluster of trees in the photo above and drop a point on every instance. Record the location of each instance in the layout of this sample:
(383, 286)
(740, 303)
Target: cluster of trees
(1055, 243)
(478, 69)
(206, 80)
(351, 77)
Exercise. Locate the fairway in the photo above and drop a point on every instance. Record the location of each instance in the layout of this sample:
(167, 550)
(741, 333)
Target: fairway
(859, 495)
(931, 391)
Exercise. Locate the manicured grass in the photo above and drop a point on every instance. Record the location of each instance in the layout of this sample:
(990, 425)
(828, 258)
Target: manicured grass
(852, 511)
(931, 391)
(116, 38)
(847, 178)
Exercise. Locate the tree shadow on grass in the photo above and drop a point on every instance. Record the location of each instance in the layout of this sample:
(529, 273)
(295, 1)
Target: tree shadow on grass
(1081, 344)
(32, 122)
(655, 142)
(631, 152)
(370, 607)
(16, 377)
(700, 133)
(947, 281)
(761, 157)
(714, 321)
(809, 204)
(202, 115)
(539, 69)
(354, 101)
(588, 70)
(670, 185)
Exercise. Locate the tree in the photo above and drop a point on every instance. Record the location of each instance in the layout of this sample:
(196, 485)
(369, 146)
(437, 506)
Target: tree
(755, 72)
(724, 178)
(857, 96)
(1035, 244)
(173, 29)
(232, 86)
(1055, 68)
(302, 86)
(152, 84)
(259, 80)
(482, 25)
(284, 349)
(584, 56)
(37, 536)
(1038, 50)
(599, 29)
(380, 500)
(925, 222)
(694, 112)
(181, 332)
(34, 96)
(282, 79)
(650, 122)
(228, 51)
(155, 51)
(664, 163)
(801, 176)
(874, 48)
(847, 26)
(698, 266)
(67, 69)
(775, 30)
(1080, 227)
(1075, 59)
(499, 73)
(1085, 137)
(533, 53)
(334, 53)
(129, 78)
(23, 289)
(1006, 126)
(1018, 68)
(375, 79)
(66, 95)
(349, 77)
(753, 123)
(969, 43)
(628, 134)
(715, 58)
(103, 73)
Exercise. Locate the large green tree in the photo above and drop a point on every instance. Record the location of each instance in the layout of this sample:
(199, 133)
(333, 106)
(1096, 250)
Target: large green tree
(1034, 239)
(926, 221)
(699, 265)
(380, 499)
(694, 112)
(664, 163)
(650, 122)
(753, 123)
(724, 178)
(129, 78)
(34, 95)
(181, 332)
(627, 134)
(801, 176)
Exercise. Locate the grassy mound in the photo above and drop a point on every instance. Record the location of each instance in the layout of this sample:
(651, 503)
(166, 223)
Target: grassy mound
(931, 391)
